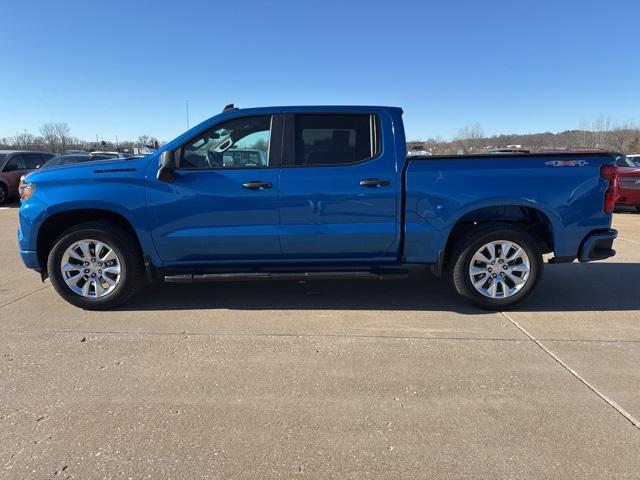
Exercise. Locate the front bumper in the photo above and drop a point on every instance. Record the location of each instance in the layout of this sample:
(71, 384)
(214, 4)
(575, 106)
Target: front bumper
(597, 245)
(30, 259)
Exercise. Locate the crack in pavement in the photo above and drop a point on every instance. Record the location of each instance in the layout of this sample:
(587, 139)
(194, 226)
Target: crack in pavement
(24, 296)
(630, 418)
(305, 335)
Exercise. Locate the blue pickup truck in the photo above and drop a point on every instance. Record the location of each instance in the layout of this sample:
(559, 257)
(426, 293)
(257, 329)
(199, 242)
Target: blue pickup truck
(332, 194)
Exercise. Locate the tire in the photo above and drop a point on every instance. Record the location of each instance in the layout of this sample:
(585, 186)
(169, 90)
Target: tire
(637, 208)
(516, 283)
(123, 261)
(3, 194)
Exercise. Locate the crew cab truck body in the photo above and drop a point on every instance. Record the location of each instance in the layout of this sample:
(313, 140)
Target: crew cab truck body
(336, 197)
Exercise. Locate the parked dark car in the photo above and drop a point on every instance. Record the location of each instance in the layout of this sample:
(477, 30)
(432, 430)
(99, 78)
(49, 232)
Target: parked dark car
(59, 160)
(13, 165)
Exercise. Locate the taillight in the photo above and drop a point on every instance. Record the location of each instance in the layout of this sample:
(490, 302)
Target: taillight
(610, 173)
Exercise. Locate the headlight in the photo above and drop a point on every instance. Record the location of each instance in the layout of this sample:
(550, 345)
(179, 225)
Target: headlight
(26, 190)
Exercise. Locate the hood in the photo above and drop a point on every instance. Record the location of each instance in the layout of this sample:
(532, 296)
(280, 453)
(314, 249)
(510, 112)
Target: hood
(111, 166)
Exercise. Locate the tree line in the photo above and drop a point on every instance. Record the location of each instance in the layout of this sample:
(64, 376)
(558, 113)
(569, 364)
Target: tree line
(602, 133)
(56, 138)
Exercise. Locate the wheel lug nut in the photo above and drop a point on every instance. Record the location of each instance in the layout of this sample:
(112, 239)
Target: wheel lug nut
(93, 259)
(86, 270)
(494, 275)
(86, 263)
(505, 267)
(93, 275)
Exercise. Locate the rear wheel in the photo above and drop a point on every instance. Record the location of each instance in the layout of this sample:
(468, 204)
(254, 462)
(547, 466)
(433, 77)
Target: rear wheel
(95, 266)
(3, 194)
(496, 266)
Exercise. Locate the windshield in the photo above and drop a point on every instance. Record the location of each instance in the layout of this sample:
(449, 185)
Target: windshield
(624, 161)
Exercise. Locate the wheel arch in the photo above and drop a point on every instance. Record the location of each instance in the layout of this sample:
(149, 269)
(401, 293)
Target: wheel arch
(53, 226)
(537, 221)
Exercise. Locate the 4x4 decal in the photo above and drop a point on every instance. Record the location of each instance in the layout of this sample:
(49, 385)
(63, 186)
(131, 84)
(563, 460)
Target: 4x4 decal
(567, 163)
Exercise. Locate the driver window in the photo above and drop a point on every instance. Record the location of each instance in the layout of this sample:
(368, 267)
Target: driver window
(238, 143)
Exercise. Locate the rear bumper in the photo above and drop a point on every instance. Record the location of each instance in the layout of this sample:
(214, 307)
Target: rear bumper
(597, 245)
(628, 196)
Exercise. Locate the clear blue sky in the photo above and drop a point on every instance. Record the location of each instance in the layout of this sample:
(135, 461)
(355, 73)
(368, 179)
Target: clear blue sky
(126, 67)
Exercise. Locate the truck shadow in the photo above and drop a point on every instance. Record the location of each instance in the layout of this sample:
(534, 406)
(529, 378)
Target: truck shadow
(570, 287)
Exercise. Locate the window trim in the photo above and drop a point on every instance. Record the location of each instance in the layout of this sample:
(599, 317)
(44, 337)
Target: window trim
(289, 140)
(275, 142)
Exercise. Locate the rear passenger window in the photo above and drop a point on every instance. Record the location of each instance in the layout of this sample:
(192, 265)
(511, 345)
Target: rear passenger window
(335, 139)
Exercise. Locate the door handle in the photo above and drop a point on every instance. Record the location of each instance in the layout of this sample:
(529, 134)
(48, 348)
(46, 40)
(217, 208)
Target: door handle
(256, 185)
(374, 182)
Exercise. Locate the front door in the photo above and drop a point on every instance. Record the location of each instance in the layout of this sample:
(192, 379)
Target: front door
(223, 205)
(339, 188)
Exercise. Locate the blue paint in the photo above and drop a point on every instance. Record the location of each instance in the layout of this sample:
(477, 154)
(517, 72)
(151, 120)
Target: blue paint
(318, 214)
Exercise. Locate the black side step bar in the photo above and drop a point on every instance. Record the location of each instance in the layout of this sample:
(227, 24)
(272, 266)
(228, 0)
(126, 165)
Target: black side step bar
(382, 274)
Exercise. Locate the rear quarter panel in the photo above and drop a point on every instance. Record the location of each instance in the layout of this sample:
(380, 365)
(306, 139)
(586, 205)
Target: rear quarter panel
(440, 191)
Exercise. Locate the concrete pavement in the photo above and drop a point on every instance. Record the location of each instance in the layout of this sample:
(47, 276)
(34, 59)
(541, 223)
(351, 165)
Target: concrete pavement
(324, 380)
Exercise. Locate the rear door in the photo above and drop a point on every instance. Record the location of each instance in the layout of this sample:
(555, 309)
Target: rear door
(222, 206)
(339, 188)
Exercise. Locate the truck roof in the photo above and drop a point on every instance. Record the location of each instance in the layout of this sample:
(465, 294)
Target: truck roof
(314, 108)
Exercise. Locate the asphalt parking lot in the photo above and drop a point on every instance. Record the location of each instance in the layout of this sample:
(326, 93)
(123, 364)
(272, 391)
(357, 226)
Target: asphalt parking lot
(396, 379)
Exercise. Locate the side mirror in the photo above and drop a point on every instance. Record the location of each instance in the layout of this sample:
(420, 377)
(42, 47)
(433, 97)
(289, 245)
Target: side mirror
(166, 172)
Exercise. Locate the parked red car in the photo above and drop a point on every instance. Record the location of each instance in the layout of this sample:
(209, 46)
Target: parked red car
(629, 175)
(14, 164)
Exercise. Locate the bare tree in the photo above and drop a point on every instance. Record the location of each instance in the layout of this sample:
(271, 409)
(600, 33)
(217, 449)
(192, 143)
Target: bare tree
(25, 140)
(49, 135)
(62, 131)
(470, 132)
(634, 146)
(469, 136)
(144, 139)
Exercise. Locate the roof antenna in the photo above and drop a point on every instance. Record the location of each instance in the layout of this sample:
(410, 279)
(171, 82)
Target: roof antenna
(229, 107)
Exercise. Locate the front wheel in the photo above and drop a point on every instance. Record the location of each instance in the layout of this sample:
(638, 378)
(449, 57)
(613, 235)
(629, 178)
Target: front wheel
(496, 266)
(95, 266)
